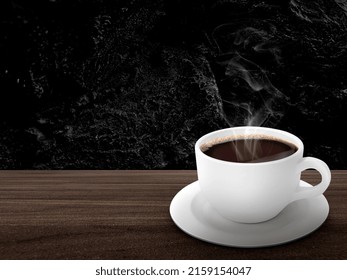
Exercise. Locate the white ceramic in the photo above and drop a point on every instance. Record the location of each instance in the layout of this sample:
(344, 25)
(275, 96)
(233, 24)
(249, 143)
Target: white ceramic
(255, 192)
(195, 216)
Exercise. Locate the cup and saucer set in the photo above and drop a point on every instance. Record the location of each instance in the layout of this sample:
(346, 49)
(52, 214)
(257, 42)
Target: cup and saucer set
(251, 204)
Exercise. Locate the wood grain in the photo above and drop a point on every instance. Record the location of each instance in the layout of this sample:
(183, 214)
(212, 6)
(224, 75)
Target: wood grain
(125, 215)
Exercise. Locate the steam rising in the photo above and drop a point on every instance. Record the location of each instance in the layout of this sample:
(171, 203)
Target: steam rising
(249, 96)
(247, 57)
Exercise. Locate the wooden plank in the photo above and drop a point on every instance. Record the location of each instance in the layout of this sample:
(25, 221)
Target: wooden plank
(125, 215)
(98, 176)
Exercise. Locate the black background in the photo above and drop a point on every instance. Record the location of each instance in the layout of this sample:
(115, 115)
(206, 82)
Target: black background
(133, 84)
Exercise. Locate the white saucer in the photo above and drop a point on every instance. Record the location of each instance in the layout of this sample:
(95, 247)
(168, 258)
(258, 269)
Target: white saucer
(194, 215)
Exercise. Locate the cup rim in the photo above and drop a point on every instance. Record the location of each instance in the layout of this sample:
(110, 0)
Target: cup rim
(297, 142)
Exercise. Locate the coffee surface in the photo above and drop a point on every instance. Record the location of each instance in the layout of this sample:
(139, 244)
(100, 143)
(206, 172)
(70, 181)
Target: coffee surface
(251, 150)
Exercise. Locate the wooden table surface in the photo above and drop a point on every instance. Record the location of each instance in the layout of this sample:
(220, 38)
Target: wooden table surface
(125, 215)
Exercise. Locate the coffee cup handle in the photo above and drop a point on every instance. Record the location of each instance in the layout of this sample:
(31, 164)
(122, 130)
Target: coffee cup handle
(323, 169)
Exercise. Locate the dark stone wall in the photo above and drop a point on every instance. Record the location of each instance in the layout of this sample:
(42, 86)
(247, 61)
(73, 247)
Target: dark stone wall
(99, 84)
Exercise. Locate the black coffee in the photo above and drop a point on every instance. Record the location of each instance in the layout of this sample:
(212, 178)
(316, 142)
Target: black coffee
(250, 150)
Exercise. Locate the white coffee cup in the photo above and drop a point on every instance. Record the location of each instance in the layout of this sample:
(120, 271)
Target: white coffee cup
(255, 192)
